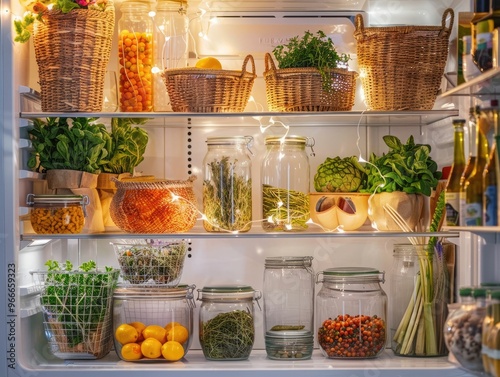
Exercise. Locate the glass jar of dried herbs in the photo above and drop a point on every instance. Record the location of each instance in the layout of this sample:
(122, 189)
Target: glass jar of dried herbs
(226, 321)
(285, 183)
(227, 185)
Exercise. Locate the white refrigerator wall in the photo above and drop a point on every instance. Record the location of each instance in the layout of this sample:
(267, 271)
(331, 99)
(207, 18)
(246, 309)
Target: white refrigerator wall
(177, 151)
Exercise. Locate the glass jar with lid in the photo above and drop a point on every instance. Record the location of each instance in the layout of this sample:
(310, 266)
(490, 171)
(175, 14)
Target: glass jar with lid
(351, 309)
(491, 335)
(463, 328)
(170, 45)
(227, 184)
(226, 323)
(285, 183)
(135, 56)
(57, 214)
(167, 313)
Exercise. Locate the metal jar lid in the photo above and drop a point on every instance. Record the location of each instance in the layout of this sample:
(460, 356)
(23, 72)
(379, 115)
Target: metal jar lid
(279, 262)
(228, 292)
(351, 275)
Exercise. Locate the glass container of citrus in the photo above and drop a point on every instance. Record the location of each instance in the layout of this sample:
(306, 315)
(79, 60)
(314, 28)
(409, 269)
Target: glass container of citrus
(153, 324)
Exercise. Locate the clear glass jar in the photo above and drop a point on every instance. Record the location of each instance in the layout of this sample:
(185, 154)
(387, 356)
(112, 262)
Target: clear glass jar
(289, 345)
(463, 328)
(490, 351)
(57, 214)
(135, 54)
(226, 323)
(227, 184)
(351, 309)
(285, 183)
(163, 307)
(171, 45)
(407, 299)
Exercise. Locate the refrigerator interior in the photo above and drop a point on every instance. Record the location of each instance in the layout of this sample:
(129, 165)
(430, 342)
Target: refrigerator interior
(175, 151)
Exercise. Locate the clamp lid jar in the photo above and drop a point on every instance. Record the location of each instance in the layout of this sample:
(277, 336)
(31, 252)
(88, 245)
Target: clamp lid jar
(351, 309)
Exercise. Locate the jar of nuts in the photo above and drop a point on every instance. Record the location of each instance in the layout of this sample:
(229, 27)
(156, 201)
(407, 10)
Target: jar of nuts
(57, 214)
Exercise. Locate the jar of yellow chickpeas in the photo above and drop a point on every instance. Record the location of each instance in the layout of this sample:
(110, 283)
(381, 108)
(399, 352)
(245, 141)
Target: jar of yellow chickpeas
(57, 214)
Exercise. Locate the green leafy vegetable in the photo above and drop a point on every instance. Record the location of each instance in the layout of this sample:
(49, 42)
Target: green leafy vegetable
(406, 167)
(125, 145)
(311, 51)
(339, 175)
(79, 300)
(68, 143)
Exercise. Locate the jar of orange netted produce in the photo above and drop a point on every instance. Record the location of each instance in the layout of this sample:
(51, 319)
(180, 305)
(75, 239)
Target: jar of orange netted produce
(135, 53)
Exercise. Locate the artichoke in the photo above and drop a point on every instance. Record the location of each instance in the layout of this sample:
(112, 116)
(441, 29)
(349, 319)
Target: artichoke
(340, 175)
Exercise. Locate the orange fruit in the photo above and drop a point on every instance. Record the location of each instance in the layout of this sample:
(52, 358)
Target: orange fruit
(151, 348)
(208, 62)
(155, 331)
(172, 351)
(126, 334)
(139, 326)
(131, 351)
(178, 333)
(169, 325)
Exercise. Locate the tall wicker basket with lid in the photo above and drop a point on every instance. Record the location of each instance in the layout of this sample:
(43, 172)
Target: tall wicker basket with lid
(401, 67)
(72, 51)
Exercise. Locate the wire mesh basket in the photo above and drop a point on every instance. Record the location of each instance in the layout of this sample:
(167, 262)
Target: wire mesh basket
(151, 262)
(77, 311)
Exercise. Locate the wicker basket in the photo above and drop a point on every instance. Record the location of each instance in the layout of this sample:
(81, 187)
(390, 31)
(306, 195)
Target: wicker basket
(72, 51)
(210, 90)
(401, 67)
(301, 89)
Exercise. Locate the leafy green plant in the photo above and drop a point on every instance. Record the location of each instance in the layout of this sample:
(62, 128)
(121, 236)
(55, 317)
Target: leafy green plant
(68, 143)
(79, 299)
(125, 145)
(406, 167)
(311, 51)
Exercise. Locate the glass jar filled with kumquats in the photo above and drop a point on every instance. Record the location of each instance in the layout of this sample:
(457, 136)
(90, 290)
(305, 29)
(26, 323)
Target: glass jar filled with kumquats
(57, 214)
(135, 53)
(351, 312)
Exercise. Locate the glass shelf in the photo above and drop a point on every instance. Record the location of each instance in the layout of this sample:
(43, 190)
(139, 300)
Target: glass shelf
(485, 85)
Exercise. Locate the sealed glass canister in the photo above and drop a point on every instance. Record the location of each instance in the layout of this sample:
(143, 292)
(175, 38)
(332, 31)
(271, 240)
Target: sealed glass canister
(351, 309)
(57, 214)
(135, 54)
(226, 325)
(227, 186)
(285, 183)
(170, 45)
(165, 313)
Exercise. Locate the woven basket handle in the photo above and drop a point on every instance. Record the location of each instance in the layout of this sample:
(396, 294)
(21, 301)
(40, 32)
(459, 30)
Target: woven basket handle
(245, 62)
(359, 24)
(446, 30)
(269, 64)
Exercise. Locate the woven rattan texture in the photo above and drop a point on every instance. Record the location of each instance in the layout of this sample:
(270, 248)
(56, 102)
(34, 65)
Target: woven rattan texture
(401, 67)
(209, 90)
(72, 51)
(301, 89)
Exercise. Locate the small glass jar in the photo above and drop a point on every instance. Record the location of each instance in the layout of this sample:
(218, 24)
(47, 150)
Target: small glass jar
(171, 45)
(418, 283)
(135, 54)
(227, 187)
(490, 335)
(226, 325)
(57, 214)
(285, 183)
(163, 307)
(351, 309)
(289, 345)
(463, 328)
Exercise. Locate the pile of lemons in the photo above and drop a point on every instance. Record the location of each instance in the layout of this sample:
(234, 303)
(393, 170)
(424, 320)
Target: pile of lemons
(153, 341)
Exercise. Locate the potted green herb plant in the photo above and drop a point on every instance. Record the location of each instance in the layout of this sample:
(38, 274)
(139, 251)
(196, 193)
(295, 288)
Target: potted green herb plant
(126, 145)
(311, 76)
(71, 151)
(401, 179)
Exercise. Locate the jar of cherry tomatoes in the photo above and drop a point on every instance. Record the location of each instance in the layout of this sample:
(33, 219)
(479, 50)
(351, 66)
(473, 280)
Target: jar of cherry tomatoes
(135, 53)
(351, 309)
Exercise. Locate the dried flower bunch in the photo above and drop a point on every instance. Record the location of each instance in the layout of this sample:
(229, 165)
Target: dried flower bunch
(38, 9)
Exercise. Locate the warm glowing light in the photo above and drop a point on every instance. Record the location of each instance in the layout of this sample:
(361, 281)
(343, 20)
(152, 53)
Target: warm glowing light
(214, 20)
(175, 197)
(155, 70)
(152, 14)
(288, 226)
(280, 204)
(200, 34)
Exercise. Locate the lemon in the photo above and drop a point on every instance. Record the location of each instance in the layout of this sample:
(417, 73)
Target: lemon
(172, 351)
(151, 348)
(155, 331)
(208, 62)
(131, 351)
(178, 333)
(126, 334)
(139, 326)
(169, 325)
